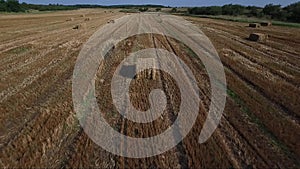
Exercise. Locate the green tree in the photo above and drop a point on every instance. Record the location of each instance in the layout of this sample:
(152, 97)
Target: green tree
(293, 12)
(144, 9)
(14, 6)
(214, 10)
(273, 10)
(3, 6)
(254, 11)
(174, 10)
(233, 10)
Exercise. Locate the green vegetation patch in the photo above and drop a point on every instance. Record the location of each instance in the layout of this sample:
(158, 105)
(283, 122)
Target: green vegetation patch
(19, 50)
(129, 10)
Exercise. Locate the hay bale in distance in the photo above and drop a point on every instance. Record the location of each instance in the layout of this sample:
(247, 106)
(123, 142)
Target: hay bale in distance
(80, 26)
(111, 21)
(87, 19)
(70, 19)
(83, 15)
(254, 25)
(258, 37)
(266, 24)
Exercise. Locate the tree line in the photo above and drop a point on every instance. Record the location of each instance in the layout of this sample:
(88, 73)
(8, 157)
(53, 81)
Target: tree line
(15, 6)
(289, 13)
(277, 12)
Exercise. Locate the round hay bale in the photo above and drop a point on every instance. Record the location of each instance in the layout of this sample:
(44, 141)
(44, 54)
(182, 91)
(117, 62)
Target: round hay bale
(87, 19)
(76, 27)
(111, 21)
(70, 19)
(80, 26)
(254, 25)
(258, 37)
(82, 15)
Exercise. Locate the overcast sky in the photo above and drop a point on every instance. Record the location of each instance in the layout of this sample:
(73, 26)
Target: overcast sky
(165, 2)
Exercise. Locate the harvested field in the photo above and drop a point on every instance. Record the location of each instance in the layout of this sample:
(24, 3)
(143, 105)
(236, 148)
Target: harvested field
(70, 19)
(38, 128)
(263, 81)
